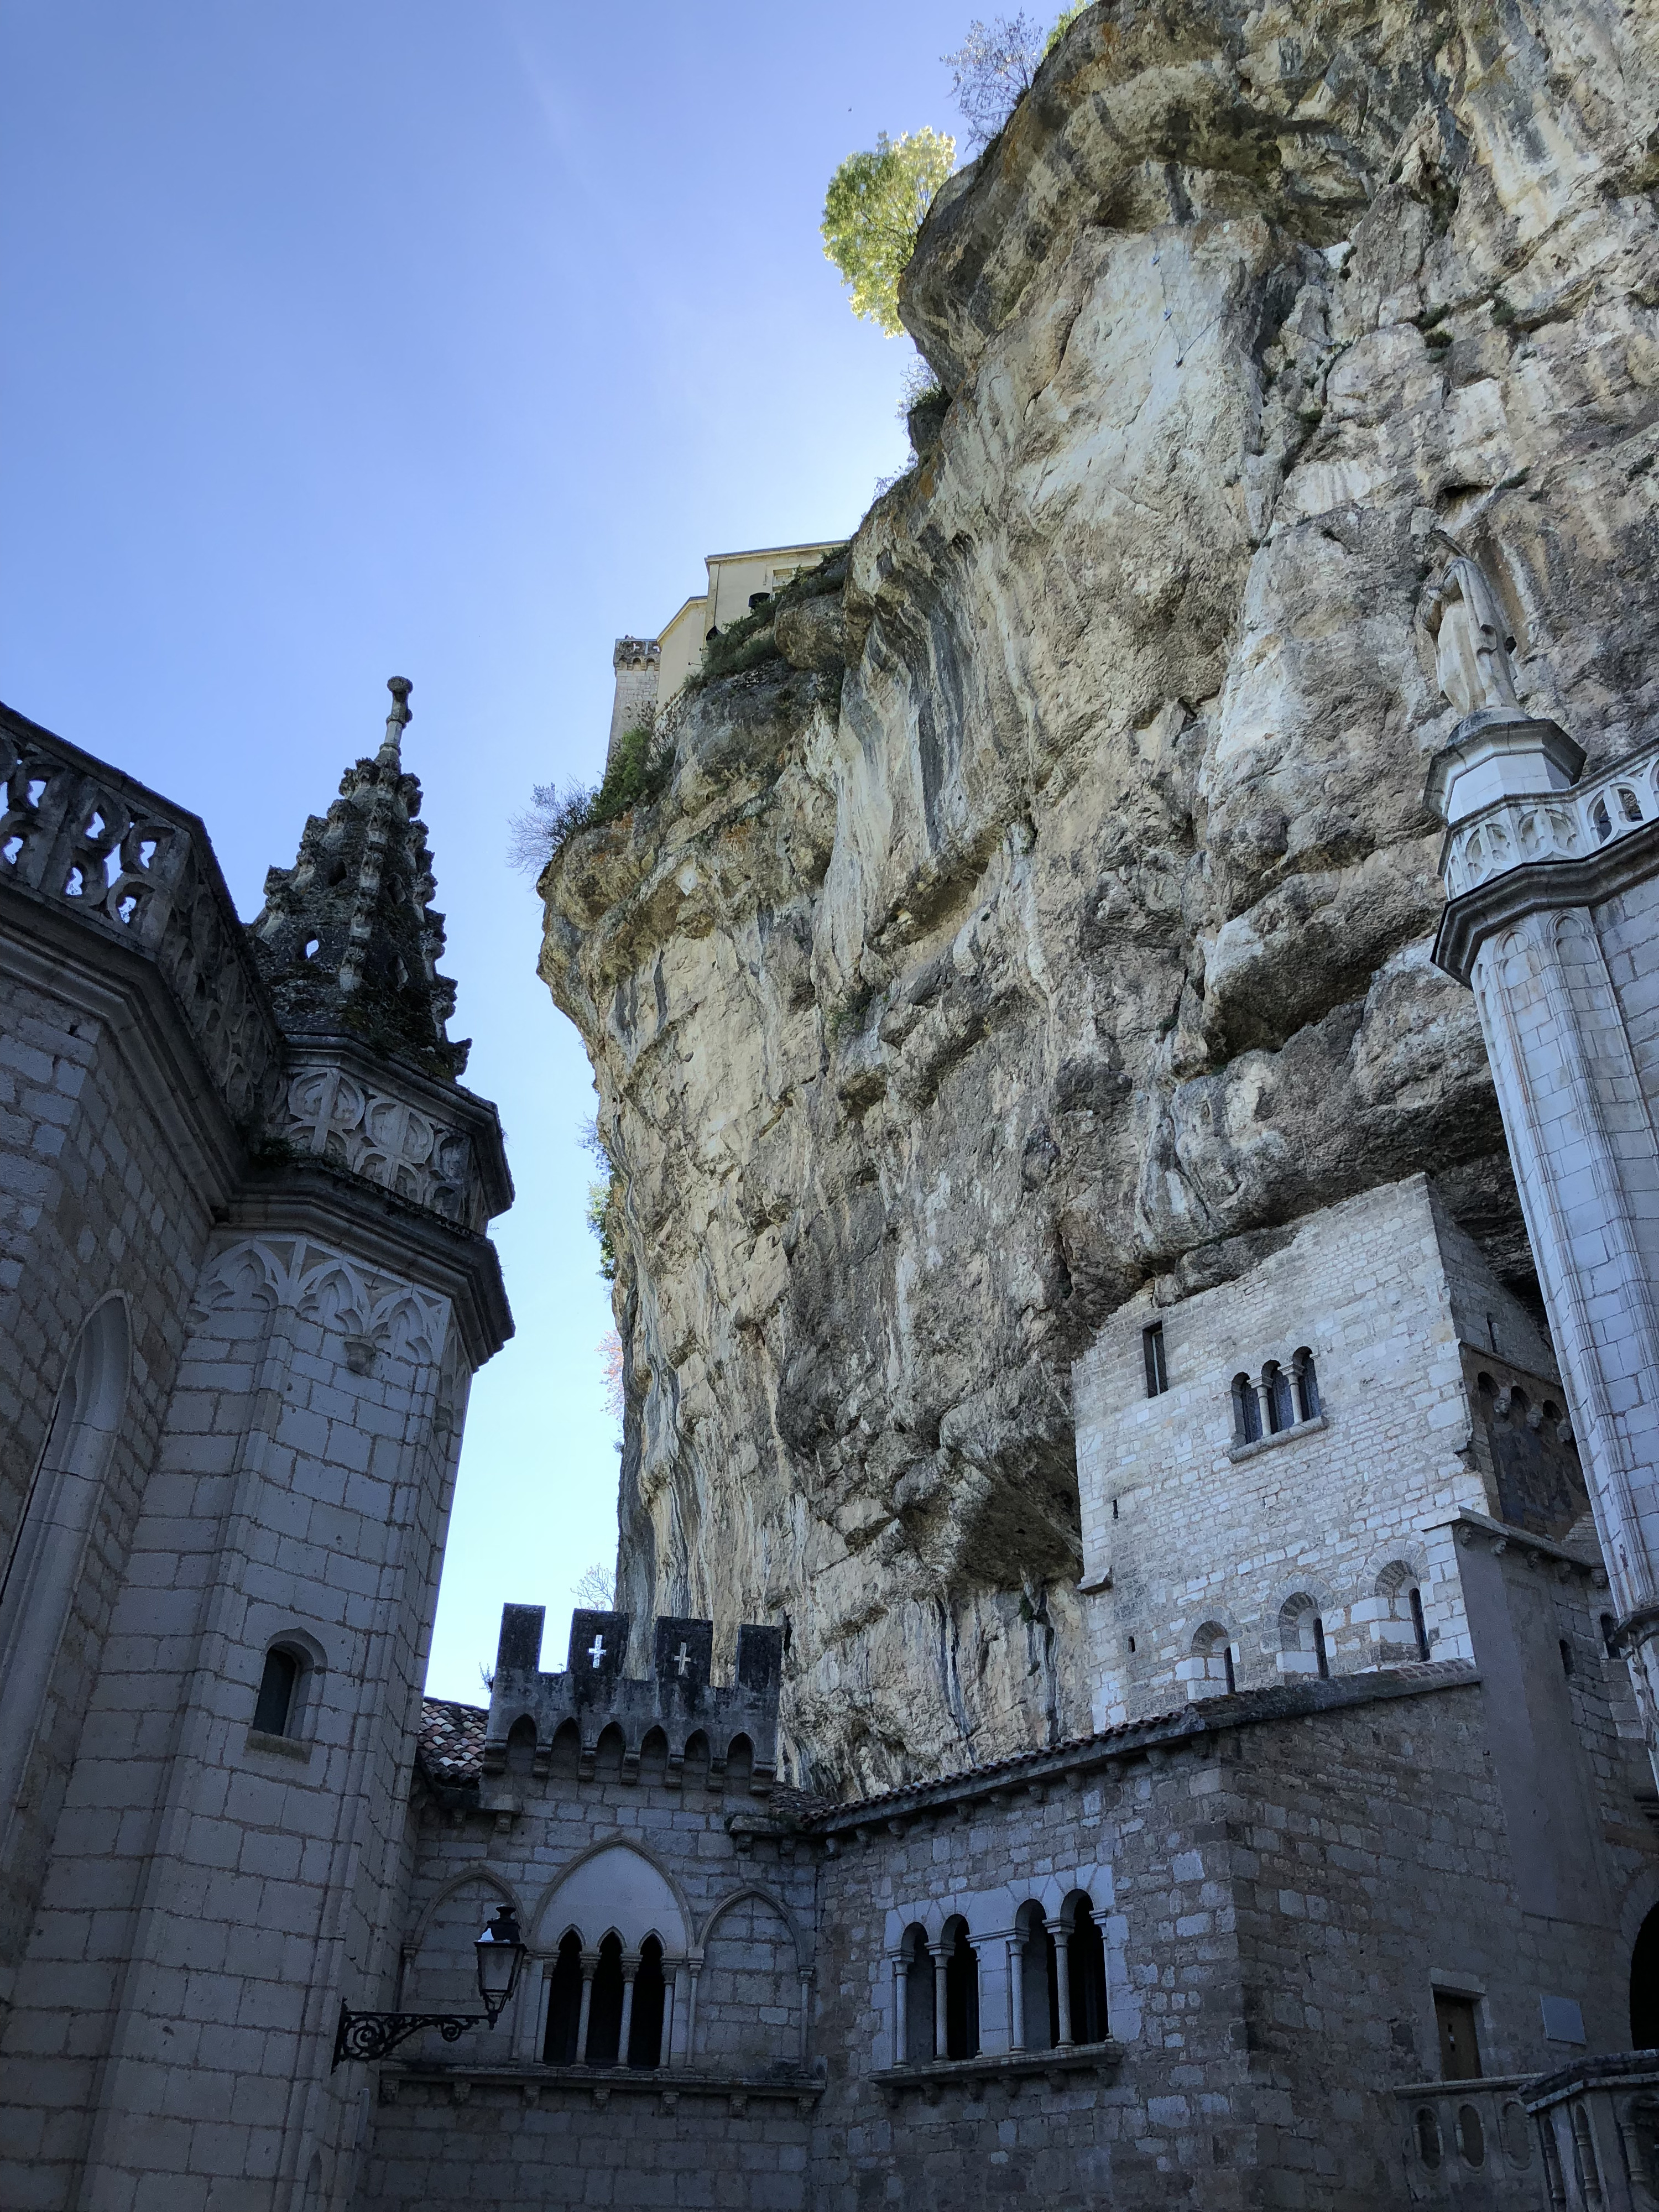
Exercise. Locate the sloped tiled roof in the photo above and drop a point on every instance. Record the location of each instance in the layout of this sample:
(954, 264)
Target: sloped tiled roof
(450, 1746)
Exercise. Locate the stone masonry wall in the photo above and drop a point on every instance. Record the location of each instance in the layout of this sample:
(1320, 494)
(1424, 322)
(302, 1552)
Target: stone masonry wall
(723, 2124)
(212, 1890)
(94, 1200)
(1284, 1895)
(1192, 1532)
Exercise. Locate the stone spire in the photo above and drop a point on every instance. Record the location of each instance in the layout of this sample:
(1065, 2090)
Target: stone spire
(347, 940)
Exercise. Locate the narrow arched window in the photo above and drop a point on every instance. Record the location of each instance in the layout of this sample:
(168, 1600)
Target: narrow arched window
(605, 2006)
(43, 1574)
(1307, 1385)
(917, 1964)
(1276, 1388)
(276, 1707)
(1039, 2010)
(1246, 1411)
(564, 2003)
(740, 1763)
(1085, 1966)
(1419, 1626)
(650, 1995)
(961, 1993)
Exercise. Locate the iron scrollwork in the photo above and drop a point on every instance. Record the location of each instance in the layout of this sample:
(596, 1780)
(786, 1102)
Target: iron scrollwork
(371, 2035)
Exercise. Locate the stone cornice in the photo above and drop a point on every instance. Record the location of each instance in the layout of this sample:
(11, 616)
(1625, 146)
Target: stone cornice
(1196, 1727)
(310, 1198)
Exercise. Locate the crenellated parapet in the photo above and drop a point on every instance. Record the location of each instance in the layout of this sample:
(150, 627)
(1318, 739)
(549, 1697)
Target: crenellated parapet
(675, 1725)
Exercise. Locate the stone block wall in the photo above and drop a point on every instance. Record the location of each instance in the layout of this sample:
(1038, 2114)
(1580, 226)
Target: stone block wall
(728, 1888)
(213, 1886)
(1287, 1893)
(1192, 1541)
(99, 1199)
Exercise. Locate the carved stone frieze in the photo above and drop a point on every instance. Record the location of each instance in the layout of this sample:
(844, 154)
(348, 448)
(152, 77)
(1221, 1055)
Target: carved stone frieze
(375, 1313)
(383, 1139)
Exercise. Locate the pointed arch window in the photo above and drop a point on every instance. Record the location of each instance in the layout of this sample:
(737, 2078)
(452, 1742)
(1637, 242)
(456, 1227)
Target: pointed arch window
(44, 1570)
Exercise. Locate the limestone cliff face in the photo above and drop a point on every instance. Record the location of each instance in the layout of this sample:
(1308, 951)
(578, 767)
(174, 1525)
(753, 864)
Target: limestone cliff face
(1073, 935)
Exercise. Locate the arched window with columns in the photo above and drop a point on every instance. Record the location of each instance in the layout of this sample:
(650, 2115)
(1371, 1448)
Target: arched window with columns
(915, 1992)
(1035, 2024)
(563, 2042)
(957, 1971)
(1085, 1961)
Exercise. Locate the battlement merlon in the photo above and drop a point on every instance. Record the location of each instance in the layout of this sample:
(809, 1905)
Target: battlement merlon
(531, 1713)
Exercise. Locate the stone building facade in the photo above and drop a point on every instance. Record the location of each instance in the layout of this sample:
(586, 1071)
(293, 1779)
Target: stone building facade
(244, 1287)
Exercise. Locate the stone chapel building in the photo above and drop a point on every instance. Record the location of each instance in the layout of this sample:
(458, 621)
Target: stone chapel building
(1349, 1899)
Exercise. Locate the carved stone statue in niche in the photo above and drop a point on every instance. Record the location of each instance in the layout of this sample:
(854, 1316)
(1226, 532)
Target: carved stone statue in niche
(1471, 644)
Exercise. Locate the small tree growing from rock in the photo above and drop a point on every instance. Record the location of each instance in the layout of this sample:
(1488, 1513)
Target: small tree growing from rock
(872, 211)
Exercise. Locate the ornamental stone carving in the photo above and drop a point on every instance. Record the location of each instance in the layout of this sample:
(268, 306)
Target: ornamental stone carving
(383, 1139)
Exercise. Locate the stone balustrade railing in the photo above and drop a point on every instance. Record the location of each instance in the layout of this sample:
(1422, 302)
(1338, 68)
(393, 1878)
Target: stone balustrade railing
(1552, 825)
(78, 835)
(1472, 2146)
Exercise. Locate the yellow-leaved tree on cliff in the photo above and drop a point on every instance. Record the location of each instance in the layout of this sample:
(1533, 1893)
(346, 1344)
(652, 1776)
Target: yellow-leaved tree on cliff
(872, 211)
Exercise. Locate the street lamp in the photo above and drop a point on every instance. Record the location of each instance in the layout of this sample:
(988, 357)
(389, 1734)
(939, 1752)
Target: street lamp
(500, 1952)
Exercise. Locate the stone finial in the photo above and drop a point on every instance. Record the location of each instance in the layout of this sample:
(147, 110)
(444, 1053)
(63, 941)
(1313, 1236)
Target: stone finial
(390, 754)
(347, 941)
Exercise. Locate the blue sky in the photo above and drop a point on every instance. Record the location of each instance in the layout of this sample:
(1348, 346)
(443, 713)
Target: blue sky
(440, 338)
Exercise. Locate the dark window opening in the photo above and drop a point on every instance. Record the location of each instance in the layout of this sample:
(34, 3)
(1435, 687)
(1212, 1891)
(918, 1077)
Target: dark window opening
(1132, 1644)
(564, 2003)
(1644, 1985)
(1227, 1662)
(918, 2035)
(1281, 1412)
(1152, 1345)
(274, 1708)
(1085, 1965)
(1320, 1652)
(650, 1995)
(1566, 1656)
(1307, 1385)
(1609, 1628)
(1419, 1626)
(961, 1997)
(604, 2009)
(1246, 1411)
(1460, 2049)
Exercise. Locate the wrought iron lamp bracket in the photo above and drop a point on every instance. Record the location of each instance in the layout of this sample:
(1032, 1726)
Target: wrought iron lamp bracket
(372, 2035)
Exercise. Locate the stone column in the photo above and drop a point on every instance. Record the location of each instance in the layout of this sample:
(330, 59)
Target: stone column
(1062, 1934)
(1015, 1954)
(1264, 1405)
(941, 2046)
(1552, 911)
(693, 1968)
(901, 2009)
(630, 1966)
(530, 2008)
(590, 1964)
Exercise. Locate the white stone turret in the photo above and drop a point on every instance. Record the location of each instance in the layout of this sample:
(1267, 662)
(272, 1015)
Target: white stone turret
(1552, 919)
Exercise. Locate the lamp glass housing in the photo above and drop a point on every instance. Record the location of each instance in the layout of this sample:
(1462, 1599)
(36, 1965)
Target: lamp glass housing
(501, 1953)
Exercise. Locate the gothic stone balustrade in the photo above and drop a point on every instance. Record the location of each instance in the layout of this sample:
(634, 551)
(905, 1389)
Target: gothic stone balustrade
(83, 840)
